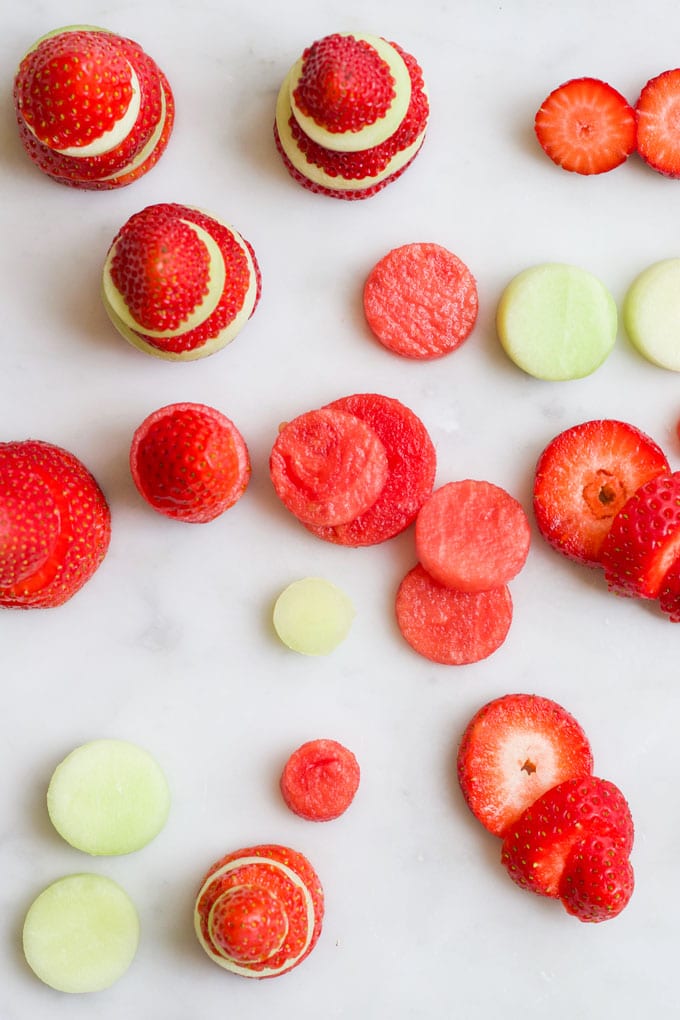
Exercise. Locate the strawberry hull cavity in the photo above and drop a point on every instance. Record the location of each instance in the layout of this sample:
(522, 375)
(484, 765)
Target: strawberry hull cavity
(93, 109)
(351, 115)
(178, 283)
(258, 912)
(55, 525)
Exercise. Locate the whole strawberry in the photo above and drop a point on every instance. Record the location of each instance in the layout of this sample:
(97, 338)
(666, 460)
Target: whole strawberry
(93, 109)
(189, 462)
(55, 525)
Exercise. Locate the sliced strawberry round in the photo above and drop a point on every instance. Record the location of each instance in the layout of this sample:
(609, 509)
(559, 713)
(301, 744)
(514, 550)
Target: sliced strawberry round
(259, 911)
(411, 463)
(55, 525)
(584, 477)
(161, 268)
(658, 123)
(537, 845)
(598, 879)
(586, 126)
(513, 750)
(453, 628)
(328, 467)
(344, 84)
(189, 462)
(644, 539)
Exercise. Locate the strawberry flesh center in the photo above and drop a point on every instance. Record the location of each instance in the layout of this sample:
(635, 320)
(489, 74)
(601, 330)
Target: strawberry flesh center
(604, 494)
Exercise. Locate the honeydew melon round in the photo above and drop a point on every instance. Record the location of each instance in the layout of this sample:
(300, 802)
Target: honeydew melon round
(651, 314)
(313, 616)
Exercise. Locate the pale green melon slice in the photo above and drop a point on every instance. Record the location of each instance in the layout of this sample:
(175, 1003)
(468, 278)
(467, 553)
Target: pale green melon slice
(557, 322)
(313, 616)
(108, 797)
(651, 314)
(81, 933)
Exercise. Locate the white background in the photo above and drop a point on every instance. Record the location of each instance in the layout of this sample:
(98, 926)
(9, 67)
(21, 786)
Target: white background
(170, 645)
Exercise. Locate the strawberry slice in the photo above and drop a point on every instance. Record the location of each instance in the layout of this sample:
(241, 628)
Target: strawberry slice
(586, 126)
(644, 539)
(669, 594)
(513, 750)
(537, 846)
(584, 477)
(658, 111)
(55, 525)
(598, 879)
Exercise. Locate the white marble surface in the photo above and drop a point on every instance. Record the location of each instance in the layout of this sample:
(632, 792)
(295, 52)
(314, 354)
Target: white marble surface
(170, 644)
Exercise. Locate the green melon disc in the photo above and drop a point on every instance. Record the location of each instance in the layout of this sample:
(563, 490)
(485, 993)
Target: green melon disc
(108, 797)
(557, 322)
(651, 314)
(81, 933)
(312, 616)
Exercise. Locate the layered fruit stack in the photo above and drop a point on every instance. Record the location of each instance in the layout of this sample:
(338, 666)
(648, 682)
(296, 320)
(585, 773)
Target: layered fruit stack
(178, 283)
(604, 496)
(94, 110)
(351, 115)
(525, 770)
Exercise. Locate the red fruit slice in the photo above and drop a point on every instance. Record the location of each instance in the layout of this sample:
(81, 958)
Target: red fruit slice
(451, 627)
(472, 535)
(344, 84)
(161, 268)
(586, 126)
(583, 478)
(328, 466)
(411, 461)
(319, 780)
(277, 892)
(189, 462)
(55, 525)
(421, 301)
(644, 539)
(669, 593)
(537, 846)
(598, 879)
(513, 750)
(658, 111)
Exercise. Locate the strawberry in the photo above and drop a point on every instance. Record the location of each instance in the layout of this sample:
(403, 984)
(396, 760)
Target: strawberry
(586, 126)
(584, 477)
(344, 84)
(669, 593)
(178, 283)
(55, 525)
(644, 539)
(189, 462)
(513, 750)
(537, 846)
(93, 109)
(598, 879)
(277, 892)
(658, 140)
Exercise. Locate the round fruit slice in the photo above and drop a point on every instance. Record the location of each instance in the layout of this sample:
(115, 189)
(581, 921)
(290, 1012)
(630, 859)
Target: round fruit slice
(472, 535)
(584, 477)
(513, 750)
(259, 911)
(651, 313)
(451, 627)
(421, 301)
(178, 283)
(189, 462)
(108, 797)
(411, 462)
(557, 322)
(81, 933)
(319, 780)
(328, 467)
(313, 616)
(657, 123)
(598, 880)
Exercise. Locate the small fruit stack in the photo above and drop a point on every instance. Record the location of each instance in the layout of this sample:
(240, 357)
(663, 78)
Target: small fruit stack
(94, 110)
(525, 770)
(178, 283)
(604, 496)
(351, 115)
